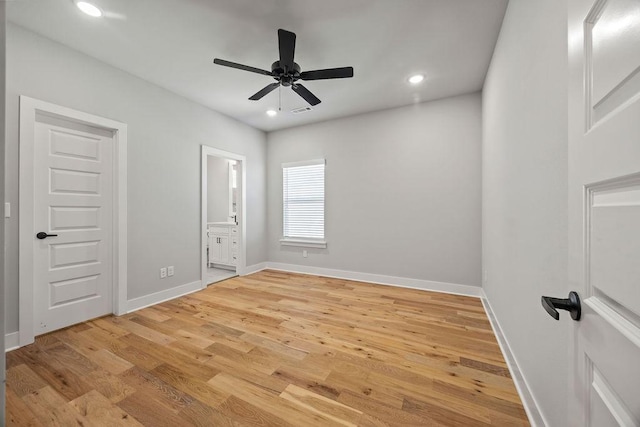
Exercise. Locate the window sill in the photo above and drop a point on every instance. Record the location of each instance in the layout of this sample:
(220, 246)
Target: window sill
(305, 243)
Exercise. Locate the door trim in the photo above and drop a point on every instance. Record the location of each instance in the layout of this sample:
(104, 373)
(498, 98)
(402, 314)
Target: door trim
(29, 108)
(241, 266)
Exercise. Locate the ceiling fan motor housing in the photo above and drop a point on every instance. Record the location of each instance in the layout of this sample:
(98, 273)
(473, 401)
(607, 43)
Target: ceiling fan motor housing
(285, 78)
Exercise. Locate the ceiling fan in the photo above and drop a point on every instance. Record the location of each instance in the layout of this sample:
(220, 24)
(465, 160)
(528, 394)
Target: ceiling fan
(287, 72)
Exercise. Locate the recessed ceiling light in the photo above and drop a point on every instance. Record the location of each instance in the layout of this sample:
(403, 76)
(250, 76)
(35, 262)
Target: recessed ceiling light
(272, 113)
(416, 79)
(89, 9)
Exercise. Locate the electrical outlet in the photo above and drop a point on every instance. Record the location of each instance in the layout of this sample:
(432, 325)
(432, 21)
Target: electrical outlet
(163, 272)
(304, 253)
(170, 271)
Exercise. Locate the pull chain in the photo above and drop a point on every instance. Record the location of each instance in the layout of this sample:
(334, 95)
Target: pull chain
(280, 98)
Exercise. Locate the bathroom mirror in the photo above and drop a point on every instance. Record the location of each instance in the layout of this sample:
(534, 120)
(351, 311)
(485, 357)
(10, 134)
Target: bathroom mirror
(233, 188)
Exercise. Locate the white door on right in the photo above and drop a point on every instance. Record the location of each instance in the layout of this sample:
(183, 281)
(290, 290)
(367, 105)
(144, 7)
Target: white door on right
(604, 210)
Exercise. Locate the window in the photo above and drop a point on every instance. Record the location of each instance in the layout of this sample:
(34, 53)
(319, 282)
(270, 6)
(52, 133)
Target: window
(303, 204)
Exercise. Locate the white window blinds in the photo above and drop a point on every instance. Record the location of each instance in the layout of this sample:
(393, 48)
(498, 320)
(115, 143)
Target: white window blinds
(303, 199)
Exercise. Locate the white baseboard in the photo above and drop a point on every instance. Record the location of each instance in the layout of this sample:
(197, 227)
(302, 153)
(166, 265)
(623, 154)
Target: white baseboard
(162, 296)
(250, 269)
(530, 405)
(11, 341)
(402, 282)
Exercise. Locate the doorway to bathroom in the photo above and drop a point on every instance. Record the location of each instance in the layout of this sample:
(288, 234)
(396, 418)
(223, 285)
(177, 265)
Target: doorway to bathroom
(223, 213)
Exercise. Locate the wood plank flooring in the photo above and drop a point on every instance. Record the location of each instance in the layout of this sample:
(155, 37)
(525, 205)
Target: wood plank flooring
(272, 349)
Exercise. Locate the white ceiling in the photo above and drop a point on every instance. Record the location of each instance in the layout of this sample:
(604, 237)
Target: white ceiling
(172, 43)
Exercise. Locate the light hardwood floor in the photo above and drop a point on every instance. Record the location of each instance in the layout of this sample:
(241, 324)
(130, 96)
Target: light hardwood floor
(272, 349)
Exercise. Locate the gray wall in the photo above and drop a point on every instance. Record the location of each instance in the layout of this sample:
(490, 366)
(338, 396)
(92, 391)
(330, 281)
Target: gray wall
(402, 191)
(524, 193)
(2, 199)
(217, 189)
(165, 134)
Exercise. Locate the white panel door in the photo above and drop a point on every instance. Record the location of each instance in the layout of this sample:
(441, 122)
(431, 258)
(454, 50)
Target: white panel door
(604, 210)
(73, 199)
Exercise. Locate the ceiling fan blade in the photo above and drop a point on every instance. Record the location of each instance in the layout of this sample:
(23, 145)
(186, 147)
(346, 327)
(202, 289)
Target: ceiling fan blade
(329, 73)
(265, 90)
(287, 45)
(241, 67)
(306, 94)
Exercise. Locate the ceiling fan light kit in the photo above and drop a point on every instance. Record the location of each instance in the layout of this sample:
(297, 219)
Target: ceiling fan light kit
(287, 73)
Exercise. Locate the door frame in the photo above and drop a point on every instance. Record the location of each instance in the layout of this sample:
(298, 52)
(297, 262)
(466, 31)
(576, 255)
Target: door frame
(29, 109)
(241, 266)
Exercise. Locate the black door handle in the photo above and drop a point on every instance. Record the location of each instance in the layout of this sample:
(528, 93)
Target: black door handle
(571, 304)
(42, 235)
